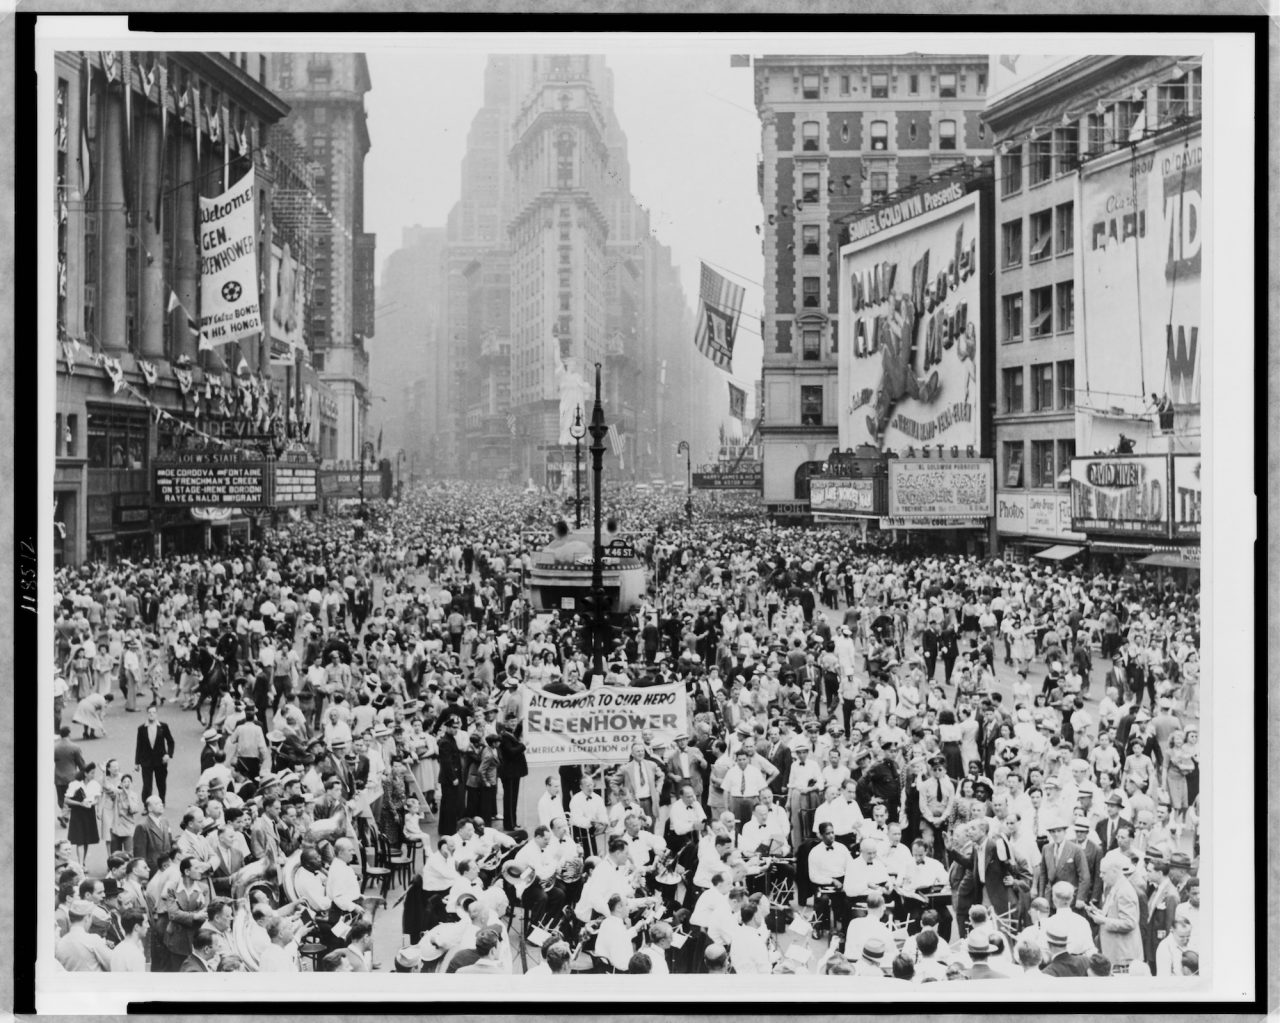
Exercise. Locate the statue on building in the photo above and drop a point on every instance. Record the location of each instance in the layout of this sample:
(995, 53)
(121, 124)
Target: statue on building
(573, 393)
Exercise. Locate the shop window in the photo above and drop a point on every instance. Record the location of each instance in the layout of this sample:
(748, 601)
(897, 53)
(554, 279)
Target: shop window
(811, 405)
(1041, 311)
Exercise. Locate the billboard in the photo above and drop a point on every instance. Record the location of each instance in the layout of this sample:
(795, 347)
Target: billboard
(1011, 513)
(1142, 221)
(288, 306)
(208, 483)
(295, 483)
(1046, 514)
(1121, 494)
(910, 323)
(600, 726)
(1186, 496)
(346, 482)
(843, 495)
(745, 477)
(931, 489)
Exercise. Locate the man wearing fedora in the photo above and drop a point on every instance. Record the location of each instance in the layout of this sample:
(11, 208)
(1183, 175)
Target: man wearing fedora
(1107, 827)
(979, 948)
(1060, 962)
(1062, 860)
(1118, 920)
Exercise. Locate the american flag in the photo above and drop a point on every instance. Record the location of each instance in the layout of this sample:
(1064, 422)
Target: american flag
(615, 442)
(720, 305)
(511, 423)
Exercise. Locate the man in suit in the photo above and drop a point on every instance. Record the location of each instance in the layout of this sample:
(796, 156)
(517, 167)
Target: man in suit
(1118, 921)
(1087, 840)
(686, 764)
(203, 958)
(264, 838)
(153, 837)
(1114, 820)
(778, 752)
(153, 752)
(642, 781)
(929, 647)
(1062, 963)
(1161, 909)
(185, 903)
(451, 788)
(1062, 860)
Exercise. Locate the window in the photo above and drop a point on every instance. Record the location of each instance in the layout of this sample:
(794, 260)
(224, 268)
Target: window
(809, 236)
(1066, 149)
(1096, 134)
(1040, 167)
(879, 185)
(946, 134)
(812, 292)
(1011, 317)
(70, 435)
(809, 86)
(811, 346)
(1041, 311)
(809, 185)
(1194, 78)
(1066, 452)
(1042, 387)
(879, 86)
(1126, 113)
(913, 84)
(982, 83)
(1012, 451)
(1041, 235)
(844, 85)
(1011, 235)
(1042, 463)
(1171, 101)
(811, 405)
(1067, 385)
(879, 134)
(57, 434)
(1066, 299)
(1064, 237)
(117, 439)
(1011, 171)
(947, 85)
(1011, 378)
(912, 131)
(809, 132)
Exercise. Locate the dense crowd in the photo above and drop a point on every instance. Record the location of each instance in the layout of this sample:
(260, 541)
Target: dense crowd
(860, 790)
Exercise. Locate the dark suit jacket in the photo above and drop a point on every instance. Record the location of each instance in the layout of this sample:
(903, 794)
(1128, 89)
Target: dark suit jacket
(1066, 965)
(1070, 866)
(782, 761)
(1093, 860)
(1101, 829)
(193, 964)
(994, 872)
(151, 840)
(513, 763)
(148, 755)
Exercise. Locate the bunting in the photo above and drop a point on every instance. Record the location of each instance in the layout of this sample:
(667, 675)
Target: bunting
(111, 65)
(148, 371)
(69, 350)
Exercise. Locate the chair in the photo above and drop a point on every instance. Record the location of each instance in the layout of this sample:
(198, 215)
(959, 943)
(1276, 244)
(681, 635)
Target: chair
(396, 862)
(312, 952)
(417, 855)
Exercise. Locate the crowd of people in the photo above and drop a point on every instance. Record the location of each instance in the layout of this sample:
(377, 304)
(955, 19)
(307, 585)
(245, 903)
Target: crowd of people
(903, 765)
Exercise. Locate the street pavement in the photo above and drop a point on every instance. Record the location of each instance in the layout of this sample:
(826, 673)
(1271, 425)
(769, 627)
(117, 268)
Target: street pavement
(184, 770)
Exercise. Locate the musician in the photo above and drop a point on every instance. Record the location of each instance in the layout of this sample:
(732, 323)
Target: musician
(749, 950)
(713, 900)
(532, 875)
(658, 940)
(898, 861)
(613, 875)
(588, 816)
(439, 872)
(843, 816)
(829, 864)
(644, 848)
(551, 802)
(489, 844)
(615, 939)
(763, 842)
(876, 830)
(341, 884)
(924, 872)
(468, 883)
(456, 933)
(713, 856)
(866, 874)
(686, 814)
(865, 928)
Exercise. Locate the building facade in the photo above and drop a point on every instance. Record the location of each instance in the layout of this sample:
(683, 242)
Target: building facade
(325, 93)
(837, 133)
(1098, 118)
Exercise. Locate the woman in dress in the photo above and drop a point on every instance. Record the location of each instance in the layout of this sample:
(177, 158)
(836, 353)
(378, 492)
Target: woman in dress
(90, 715)
(1023, 642)
(1192, 750)
(395, 791)
(106, 808)
(968, 725)
(103, 670)
(1178, 766)
(949, 737)
(81, 673)
(129, 812)
(82, 799)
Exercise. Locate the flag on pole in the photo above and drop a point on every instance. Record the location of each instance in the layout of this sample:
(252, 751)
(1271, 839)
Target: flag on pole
(720, 304)
(379, 441)
(164, 142)
(615, 442)
(737, 403)
(126, 139)
(86, 162)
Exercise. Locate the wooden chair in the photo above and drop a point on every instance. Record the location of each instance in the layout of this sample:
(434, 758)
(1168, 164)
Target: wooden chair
(312, 952)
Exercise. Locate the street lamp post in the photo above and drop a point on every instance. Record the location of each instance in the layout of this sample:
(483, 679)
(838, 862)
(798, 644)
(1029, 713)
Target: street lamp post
(683, 446)
(366, 453)
(577, 430)
(599, 622)
(400, 457)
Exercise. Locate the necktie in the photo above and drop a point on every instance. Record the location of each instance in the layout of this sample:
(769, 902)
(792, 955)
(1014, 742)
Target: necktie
(742, 785)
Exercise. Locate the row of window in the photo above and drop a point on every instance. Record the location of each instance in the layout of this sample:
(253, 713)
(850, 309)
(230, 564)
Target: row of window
(1045, 396)
(948, 83)
(1048, 467)
(810, 134)
(1052, 310)
(1052, 233)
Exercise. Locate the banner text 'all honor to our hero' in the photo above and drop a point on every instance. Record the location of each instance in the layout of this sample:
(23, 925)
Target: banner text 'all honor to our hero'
(600, 725)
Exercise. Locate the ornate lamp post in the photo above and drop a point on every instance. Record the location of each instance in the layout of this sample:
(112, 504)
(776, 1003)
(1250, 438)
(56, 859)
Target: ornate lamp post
(577, 430)
(599, 615)
(683, 446)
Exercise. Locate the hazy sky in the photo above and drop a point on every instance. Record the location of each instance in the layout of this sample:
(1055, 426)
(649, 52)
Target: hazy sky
(693, 137)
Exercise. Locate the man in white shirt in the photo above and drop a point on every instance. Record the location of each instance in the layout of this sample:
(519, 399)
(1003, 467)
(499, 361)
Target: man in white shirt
(128, 956)
(837, 812)
(614, 939)
(438, 872)
(866, 873)
(873, 925)
(588, 816)
(342, 886)
(749, 949)
(660, 937)
(767, 833)
(309, 883)
(613, 875)
(551, 802)
(829, 864)
(644, 848)
(742, 784)
(1076, 927)
(686, 814)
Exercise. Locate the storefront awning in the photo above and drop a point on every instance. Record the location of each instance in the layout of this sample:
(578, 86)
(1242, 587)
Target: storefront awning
(1167, 559)
(1059, 553)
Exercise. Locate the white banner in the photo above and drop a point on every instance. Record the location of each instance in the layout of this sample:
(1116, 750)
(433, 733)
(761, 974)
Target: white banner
(288, 306)
(229, 266)
(910, 303)
(599, 726)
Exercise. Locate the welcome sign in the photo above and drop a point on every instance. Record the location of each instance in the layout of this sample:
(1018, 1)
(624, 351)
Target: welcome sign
(229, 266)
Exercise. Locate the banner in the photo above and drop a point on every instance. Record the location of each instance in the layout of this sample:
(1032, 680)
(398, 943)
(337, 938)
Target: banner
(228, 266)
(288, 306)
(600, 726)
(1121, 494)
(909, 327)
(737, 403)
(719, 306)
(1186, 496)
(1142, 221)
(745, 477)
(934, 489)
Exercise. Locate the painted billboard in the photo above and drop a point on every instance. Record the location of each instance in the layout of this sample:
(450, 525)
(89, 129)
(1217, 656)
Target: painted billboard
(959, 490)
(1142, 222)
(1187, 500)
(910, 323)
(1121, 494)
(843, 495)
